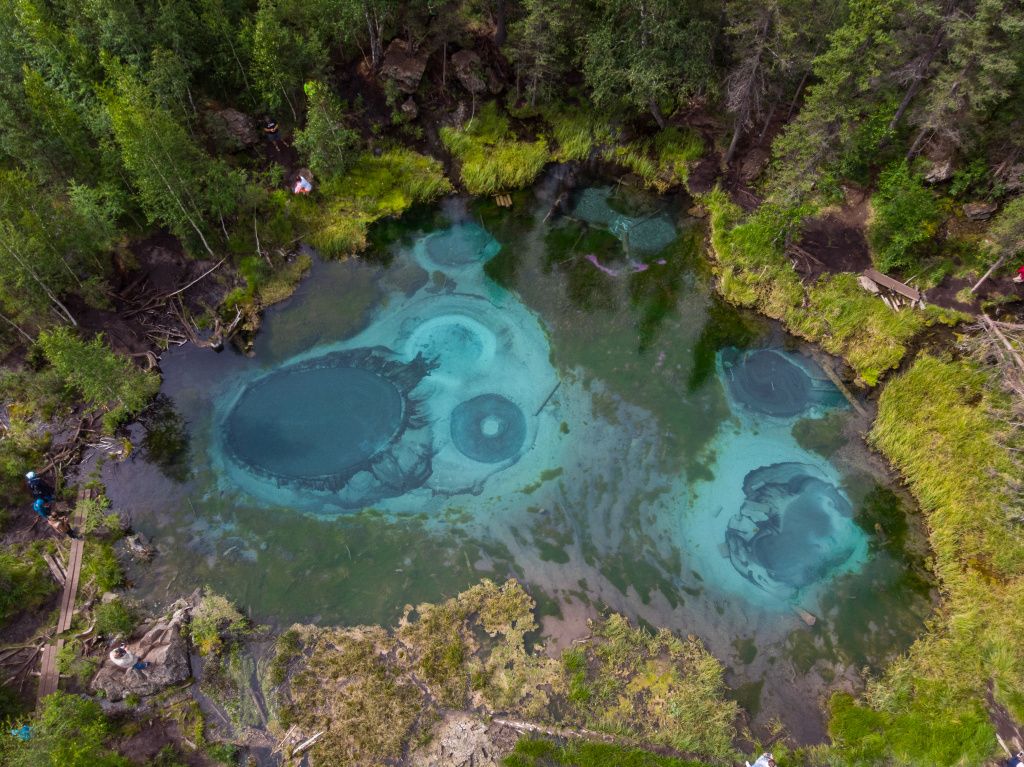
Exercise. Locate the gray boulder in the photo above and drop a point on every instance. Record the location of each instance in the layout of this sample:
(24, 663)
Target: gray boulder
(161, 644)
(403, 67)
(469, 71)
(231, 127)
(979, 211)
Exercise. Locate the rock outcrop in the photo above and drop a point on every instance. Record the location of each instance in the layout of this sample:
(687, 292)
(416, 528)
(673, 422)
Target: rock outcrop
(469, 71)
(162, 646)
(403, 66)
(979, 211)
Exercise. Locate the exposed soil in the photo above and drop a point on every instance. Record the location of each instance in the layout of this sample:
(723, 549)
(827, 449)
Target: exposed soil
(835, 242)
(154, 735)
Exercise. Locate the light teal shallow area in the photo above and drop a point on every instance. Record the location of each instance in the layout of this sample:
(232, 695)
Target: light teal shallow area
(495, 392)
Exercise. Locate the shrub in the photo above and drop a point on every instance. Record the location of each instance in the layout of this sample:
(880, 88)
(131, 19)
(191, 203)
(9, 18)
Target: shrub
(492, 160)
(24, 580)
(114, 618)
(101, 572)
(945, 430)
(663, 163)
(94, 516)
(373, 188)
(212, 620)
(835, 312)
(105, 380)
(326, 142)
(905, 218)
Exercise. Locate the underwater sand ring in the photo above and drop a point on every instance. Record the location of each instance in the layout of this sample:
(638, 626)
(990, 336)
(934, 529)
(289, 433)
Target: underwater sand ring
(793, 529)
(460, 245)
(488, 428)
(642, 234)
(458, 343)
(318, 423)
(768, 382)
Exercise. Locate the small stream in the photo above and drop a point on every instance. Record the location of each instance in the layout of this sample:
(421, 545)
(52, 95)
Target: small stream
(493, 392)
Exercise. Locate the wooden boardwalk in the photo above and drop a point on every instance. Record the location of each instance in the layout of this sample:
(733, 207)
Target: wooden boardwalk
(894, 285)
(49, 677)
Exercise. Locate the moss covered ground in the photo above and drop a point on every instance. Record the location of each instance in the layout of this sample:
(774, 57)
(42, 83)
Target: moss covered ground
(379, 692)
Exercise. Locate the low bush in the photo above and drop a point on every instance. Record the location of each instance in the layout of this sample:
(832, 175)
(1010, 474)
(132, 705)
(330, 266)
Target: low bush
(69, 731)
(113, 618)
(904, 219)
(662, 163)
(834, 311)
(373, 188)
(101, 572)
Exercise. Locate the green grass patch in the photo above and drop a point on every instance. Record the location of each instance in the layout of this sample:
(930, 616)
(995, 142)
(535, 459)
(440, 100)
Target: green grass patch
(834, 311)
(101, 572)
(576, 130)
(492, 159)
(657, 688)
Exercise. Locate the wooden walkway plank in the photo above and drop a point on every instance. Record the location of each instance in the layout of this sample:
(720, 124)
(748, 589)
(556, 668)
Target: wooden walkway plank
(894, 285)
(49, 676)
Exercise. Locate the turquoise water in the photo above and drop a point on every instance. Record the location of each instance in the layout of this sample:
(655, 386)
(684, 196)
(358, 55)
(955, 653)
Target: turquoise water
(489, 393)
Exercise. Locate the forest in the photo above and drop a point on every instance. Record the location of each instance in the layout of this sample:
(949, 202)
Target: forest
(150, 152)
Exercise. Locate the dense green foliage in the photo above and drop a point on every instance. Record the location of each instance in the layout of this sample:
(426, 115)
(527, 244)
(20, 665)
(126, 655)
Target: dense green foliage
(69, 731)
(492, 159)
(833, 311)
(106, 382)
(905, 216)
(24, 580)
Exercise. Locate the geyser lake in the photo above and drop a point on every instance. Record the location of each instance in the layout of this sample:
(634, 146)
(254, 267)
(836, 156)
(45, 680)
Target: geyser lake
(493, 393)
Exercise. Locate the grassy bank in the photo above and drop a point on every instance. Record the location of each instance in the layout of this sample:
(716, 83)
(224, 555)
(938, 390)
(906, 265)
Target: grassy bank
(942, 426)
(834, 311)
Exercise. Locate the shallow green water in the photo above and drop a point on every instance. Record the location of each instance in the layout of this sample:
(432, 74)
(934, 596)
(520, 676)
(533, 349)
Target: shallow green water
(593, 422)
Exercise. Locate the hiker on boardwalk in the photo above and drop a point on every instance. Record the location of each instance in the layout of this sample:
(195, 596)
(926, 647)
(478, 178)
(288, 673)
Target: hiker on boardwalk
(124, 658)
(39, 487)
(44, 508)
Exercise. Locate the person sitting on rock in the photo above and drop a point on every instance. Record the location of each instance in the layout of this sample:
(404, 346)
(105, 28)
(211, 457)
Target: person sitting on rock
(764, 760)
(124, 658)
(303, 185)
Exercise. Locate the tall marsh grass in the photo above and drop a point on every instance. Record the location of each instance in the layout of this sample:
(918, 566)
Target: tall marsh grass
(373, 188)
(491, 159)
(947, 431)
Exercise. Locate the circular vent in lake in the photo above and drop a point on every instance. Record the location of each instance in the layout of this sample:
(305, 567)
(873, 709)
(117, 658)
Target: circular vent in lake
(318, 423)
(460, 245)
(769, 382)
(793, 529)
(488, 428)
